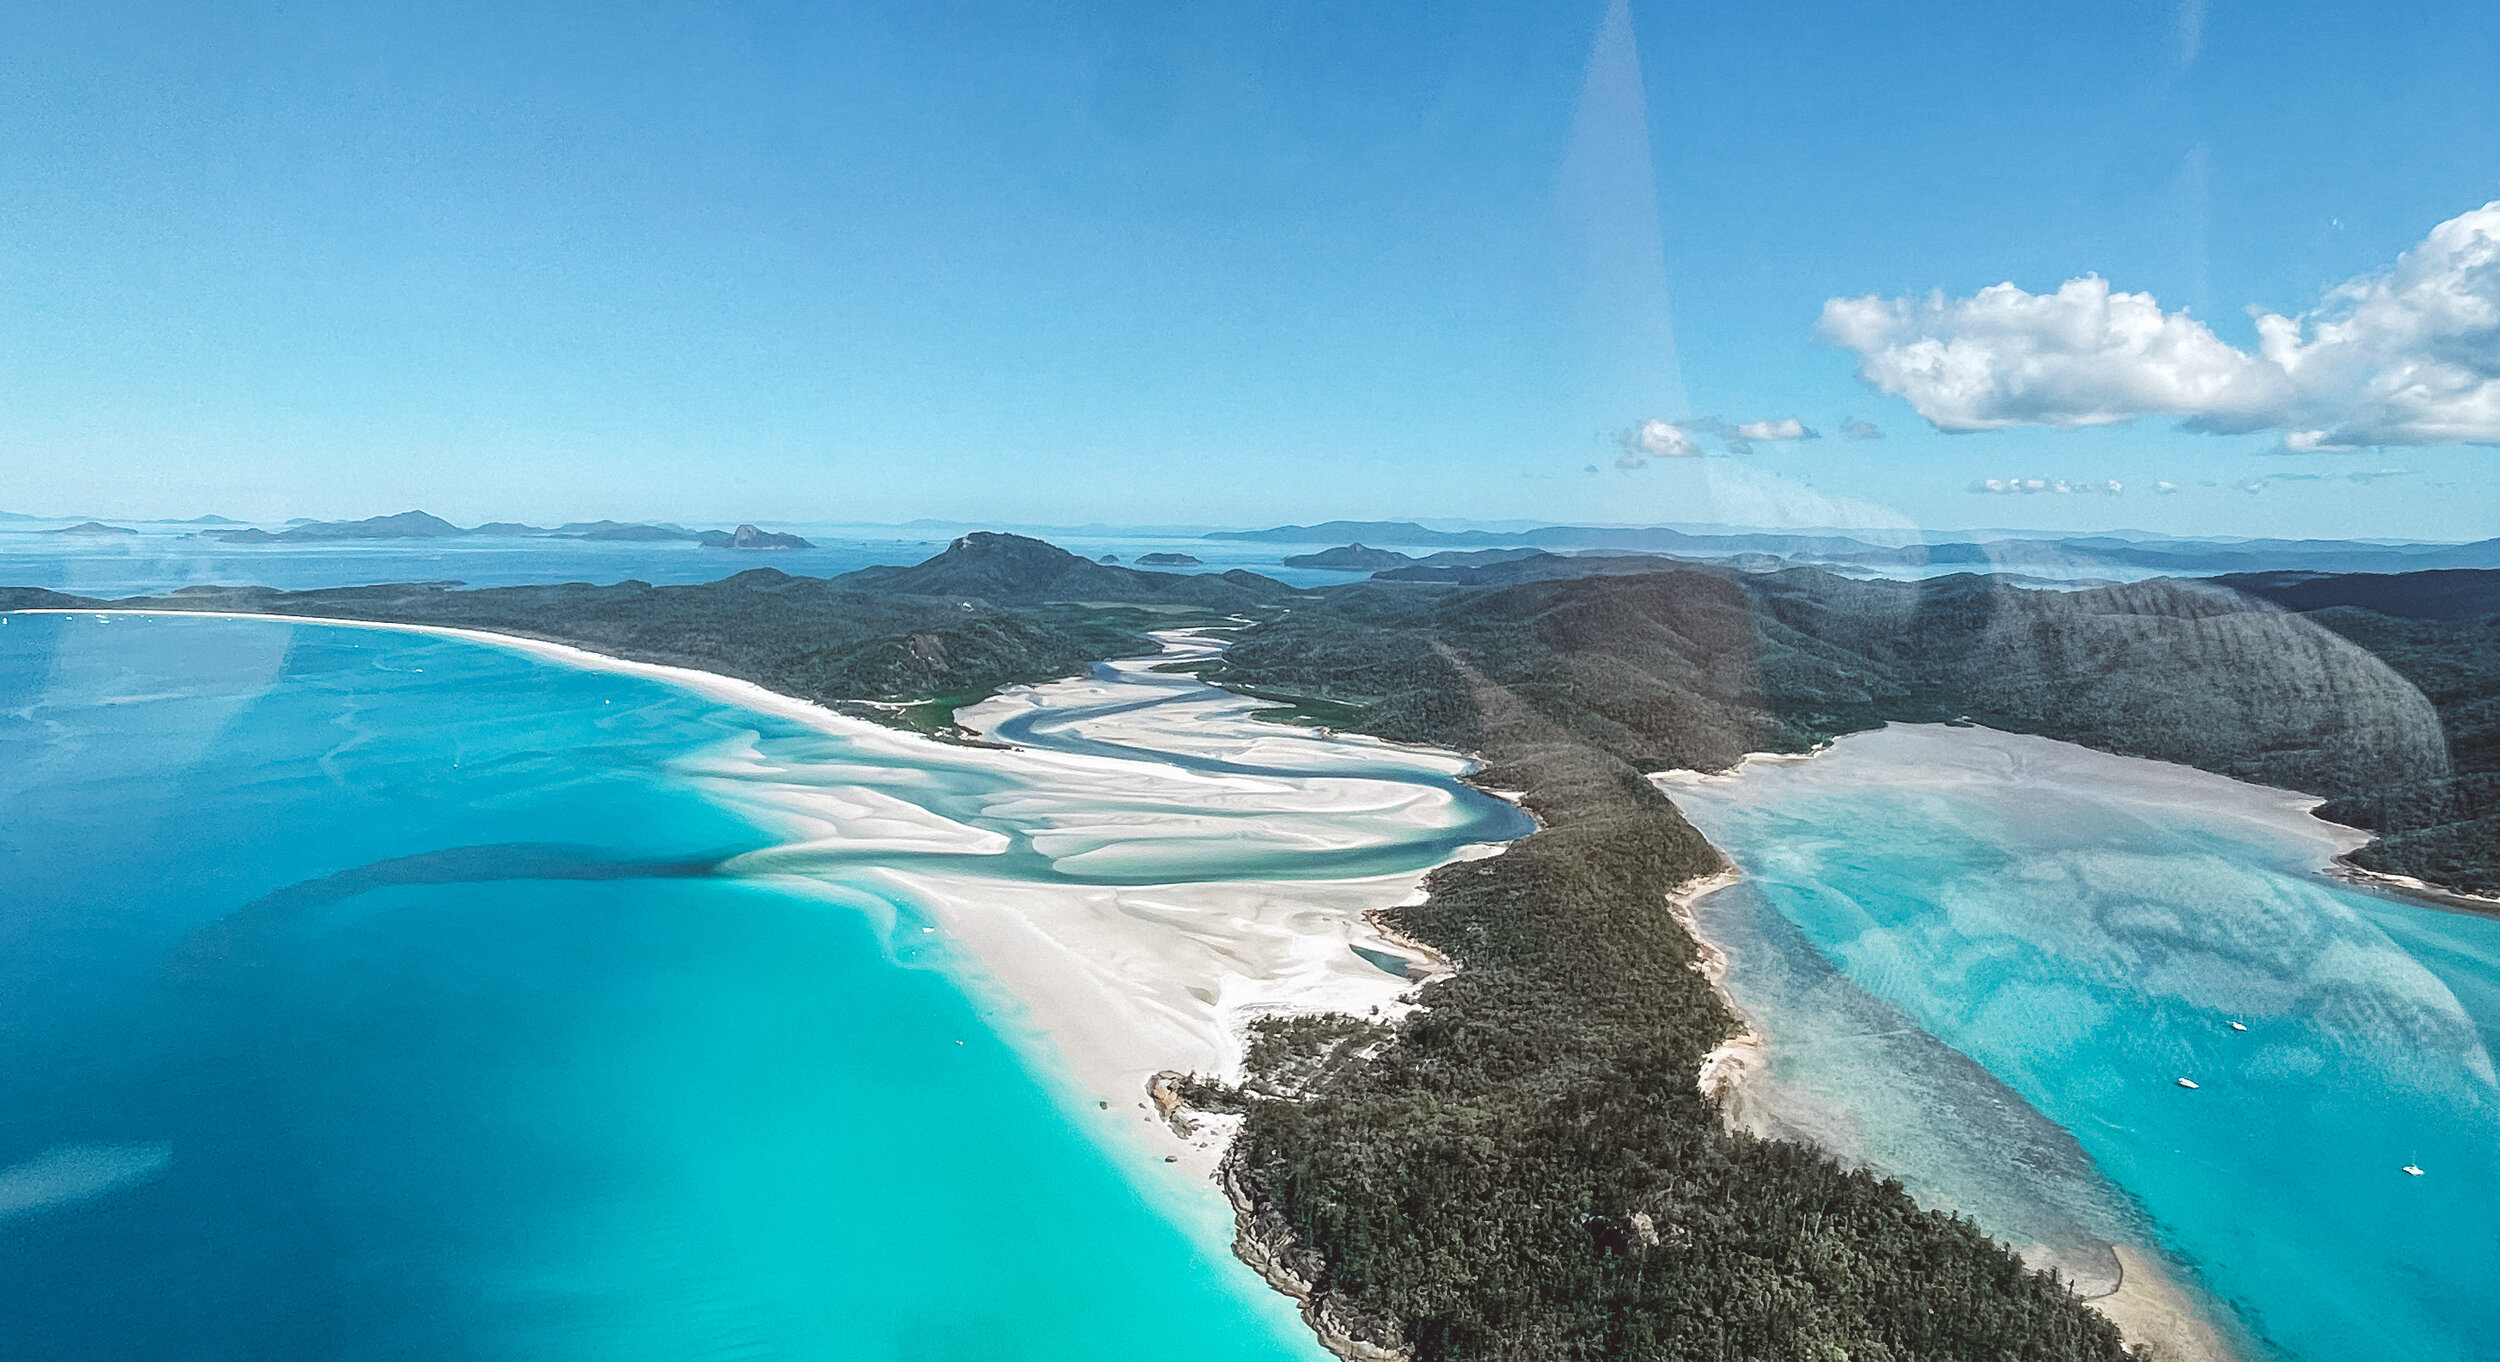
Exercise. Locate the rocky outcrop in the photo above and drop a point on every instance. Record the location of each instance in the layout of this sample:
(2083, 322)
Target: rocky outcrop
(1265, 1241)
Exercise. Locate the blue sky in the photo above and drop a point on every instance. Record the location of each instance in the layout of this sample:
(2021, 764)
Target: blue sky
(1240, 264)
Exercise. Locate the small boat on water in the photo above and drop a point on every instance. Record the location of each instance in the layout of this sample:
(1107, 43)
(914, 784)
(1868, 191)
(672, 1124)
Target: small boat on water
(2187, 1082)
(2239, 1026)
(2413, 1170)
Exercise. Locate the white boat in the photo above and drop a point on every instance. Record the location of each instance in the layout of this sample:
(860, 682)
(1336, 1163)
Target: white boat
(2413, 1170)
(2239, 1026)
(2187, 1082)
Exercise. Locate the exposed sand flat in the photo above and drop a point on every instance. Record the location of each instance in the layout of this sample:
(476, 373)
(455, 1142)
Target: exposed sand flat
(1205, 822)
(1909, 757)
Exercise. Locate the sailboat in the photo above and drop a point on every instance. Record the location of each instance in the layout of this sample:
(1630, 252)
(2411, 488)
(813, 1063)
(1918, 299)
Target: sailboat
(2187, 1082)
(2238, 1025)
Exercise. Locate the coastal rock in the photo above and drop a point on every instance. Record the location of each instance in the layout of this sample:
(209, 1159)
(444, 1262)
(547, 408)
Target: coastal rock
(1264, 1240)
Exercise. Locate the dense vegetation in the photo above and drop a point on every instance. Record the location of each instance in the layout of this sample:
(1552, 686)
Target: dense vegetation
(2441, 632)
(1527, 1170)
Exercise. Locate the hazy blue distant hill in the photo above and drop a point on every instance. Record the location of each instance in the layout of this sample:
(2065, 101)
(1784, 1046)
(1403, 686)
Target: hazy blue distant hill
(610, 529)
(2006, 550)
(405, 525)
(1350, 558)
(421, 525)
(2447, 594)
(93, 529)
(1369, 531)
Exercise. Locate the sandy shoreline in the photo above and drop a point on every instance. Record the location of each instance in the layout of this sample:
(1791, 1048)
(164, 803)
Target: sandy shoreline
(1101, 985)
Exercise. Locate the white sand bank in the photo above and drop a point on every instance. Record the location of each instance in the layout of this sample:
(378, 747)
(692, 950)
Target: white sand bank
(1213, 919)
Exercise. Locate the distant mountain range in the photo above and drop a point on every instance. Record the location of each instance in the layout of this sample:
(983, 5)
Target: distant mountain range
(420, 525)
(2078, 552)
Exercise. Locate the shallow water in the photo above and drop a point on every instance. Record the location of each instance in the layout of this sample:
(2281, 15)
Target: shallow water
(376, 995)
(1984, 961)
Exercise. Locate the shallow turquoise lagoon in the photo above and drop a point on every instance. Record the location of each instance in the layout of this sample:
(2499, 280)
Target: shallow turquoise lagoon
(1984, 962)
(370, 995)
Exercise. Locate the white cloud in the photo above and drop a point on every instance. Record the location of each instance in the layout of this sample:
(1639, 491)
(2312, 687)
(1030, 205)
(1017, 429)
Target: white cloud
(1772, 432)
(2058, 486)
(2410, 356)
(1667, 440)
(1683, 439)
(2165, 488)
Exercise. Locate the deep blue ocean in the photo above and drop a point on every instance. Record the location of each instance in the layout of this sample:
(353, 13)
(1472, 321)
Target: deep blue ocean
(368, 995)
(1984, 964)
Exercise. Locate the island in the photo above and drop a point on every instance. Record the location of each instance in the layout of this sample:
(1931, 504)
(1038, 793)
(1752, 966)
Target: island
(749, 537)
(1167, 560)
(1350, 558)
(93, 530)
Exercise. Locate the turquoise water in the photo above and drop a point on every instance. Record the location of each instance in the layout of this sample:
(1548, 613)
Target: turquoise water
(376, 995)
(2078, 945)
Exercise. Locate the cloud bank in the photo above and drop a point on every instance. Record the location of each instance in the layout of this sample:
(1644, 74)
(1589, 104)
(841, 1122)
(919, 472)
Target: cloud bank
(2408, 356)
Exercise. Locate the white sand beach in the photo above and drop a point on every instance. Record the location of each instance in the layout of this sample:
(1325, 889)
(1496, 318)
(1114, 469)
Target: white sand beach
(1104, 984)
